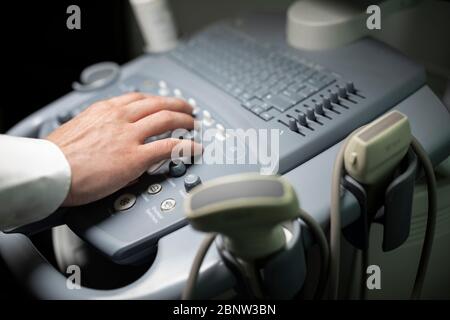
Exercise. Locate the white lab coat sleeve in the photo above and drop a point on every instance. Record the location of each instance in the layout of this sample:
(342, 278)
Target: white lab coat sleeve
(34, 180)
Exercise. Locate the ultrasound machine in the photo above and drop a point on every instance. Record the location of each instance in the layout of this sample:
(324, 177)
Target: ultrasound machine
(240, 72)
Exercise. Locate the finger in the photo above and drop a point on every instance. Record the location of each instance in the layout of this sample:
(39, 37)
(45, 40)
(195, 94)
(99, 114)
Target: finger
(162, 122)
(142, 108)
(128, 98)
(169, 148)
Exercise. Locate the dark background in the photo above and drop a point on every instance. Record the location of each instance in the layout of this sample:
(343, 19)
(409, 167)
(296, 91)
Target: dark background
(41, 57)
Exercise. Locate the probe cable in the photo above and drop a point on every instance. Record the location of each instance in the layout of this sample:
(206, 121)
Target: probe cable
(317, 232)
(195, 269)
(322, 241)
(431, 219)
(335, 220)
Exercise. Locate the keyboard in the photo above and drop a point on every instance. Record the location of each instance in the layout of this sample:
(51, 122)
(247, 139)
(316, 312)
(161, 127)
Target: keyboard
(266, 81)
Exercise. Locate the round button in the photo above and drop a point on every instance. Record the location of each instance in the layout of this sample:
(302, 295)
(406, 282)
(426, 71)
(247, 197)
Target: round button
(207, 118)
(168, 204)
(191, 181)
(208, 122)
(97, 76)
(192, 102)
(221, 135)
(206, 114)
(195, 111)
(177, 168)
(177, 93)
(163, 92)
(64, 117)
(154, 188)
(124, 202)
(220, 127)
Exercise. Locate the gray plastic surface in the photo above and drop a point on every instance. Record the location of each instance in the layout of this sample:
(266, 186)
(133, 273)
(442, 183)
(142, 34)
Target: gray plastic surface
(126, 237)
(97, 76)
(176, 251)
(164, 280)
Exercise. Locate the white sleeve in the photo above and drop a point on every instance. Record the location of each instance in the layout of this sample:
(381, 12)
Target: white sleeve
(34, 180)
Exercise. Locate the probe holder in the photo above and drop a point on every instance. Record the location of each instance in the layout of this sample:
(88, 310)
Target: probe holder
(283, 273)
(394, 215)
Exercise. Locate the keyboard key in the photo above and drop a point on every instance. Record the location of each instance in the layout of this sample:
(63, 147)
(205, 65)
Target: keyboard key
(317, 84)
(253, 86)
(265, 80)
(257, 110)
(229, 86)
(269, 114)
(307, 91)
(294, 87)
(295, 97)
(278, 87)
(265, 105)
(279, 102)
(247, 105)
(236, 91)
(252, 103)
(246, 96)
(261, 92)
(266, 116)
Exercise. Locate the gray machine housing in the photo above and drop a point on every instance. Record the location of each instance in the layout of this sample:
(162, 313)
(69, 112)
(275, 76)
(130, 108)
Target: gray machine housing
(129, 236)
(386, 78)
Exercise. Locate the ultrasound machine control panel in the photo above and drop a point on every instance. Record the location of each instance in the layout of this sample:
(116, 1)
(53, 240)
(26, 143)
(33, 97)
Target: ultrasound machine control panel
(236, 76)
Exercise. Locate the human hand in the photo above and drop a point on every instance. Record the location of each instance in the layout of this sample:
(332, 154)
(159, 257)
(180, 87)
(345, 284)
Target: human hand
(105, 144)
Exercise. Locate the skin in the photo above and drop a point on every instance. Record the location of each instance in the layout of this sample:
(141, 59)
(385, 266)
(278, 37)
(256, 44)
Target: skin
(105, 147)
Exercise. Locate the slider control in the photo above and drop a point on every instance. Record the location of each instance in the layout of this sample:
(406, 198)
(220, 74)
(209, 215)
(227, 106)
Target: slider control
(326, 102)
(310, 114)
(342, 92)
(293, 125)
(302, 119)
(319, 109)
(334, 97)
(350, 87)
